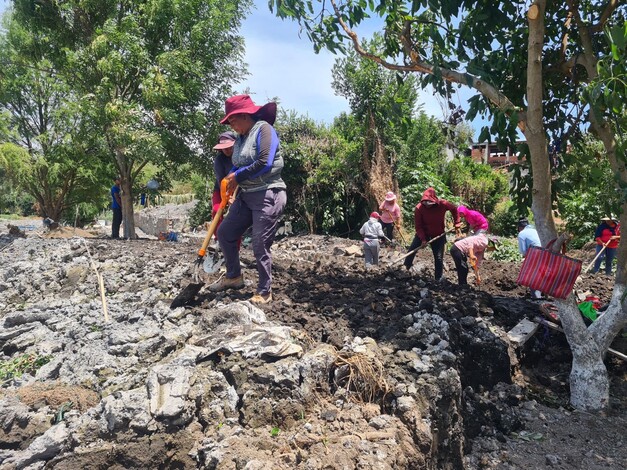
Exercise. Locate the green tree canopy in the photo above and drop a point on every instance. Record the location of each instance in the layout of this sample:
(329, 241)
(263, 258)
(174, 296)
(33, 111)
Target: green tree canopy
(58, 164)
(152, 74)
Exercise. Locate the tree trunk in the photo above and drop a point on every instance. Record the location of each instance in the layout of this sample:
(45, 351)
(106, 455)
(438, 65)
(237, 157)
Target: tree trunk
(379, 175)
(534, 128)
(128, 217)
(589, 383)
(125, 169)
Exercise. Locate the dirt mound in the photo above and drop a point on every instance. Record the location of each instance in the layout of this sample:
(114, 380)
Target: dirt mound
(68, 232)
(56, 395)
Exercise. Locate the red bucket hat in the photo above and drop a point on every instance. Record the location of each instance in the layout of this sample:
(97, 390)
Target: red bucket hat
(243, 104)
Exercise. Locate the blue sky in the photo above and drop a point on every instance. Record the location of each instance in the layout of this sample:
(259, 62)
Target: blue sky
(284, 65)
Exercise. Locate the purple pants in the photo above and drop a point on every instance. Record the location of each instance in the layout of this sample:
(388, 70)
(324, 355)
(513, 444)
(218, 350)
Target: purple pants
(262, 210)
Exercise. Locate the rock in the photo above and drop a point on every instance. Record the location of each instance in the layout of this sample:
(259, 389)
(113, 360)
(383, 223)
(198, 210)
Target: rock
(329, 415)
(168, 394)
(44, 447)
(126, 409)
(551, 460)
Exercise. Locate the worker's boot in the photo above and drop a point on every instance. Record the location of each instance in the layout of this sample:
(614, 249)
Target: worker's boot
(261, 298)
(225, 283)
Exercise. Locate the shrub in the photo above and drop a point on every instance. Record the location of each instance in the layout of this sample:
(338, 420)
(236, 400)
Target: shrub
(507, 250)
(478, 185)
(504, 219)
(26, 363)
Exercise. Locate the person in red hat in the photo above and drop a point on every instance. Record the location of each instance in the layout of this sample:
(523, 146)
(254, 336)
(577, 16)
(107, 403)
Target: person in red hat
(372, 231)
(257, 166)
(222, 165)
(429, 224)
(390, 214)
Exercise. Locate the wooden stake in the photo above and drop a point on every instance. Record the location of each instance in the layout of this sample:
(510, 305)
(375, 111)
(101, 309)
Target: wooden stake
(103, 299)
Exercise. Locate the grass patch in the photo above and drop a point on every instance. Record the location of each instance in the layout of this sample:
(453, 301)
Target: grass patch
(10, 217)
(22, 364)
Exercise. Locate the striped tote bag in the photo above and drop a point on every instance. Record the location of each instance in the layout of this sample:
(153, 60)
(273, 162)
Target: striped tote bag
(551, 273)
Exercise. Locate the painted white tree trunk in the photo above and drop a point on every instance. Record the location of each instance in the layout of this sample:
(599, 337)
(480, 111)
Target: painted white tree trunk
(589, 383)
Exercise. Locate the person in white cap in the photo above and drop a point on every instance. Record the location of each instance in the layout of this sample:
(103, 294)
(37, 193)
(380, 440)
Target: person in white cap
(390, 214)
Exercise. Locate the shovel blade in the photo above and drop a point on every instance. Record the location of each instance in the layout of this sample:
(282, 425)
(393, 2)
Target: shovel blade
(187, 295)
(212, 262)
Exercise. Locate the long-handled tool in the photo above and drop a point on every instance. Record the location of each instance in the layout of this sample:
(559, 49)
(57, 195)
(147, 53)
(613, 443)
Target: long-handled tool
(391, 242)
(398, 228)
(598, 254)
(189, 293)
(416, 249)
(472, 259)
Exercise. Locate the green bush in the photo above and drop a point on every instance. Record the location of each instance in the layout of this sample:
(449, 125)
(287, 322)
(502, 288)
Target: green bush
(476, 184)
(507, 250)
(87, 213)
(14, 202)
(586, 190)
(504, 219)
(201, 212)
(22, 364)
(582, 213)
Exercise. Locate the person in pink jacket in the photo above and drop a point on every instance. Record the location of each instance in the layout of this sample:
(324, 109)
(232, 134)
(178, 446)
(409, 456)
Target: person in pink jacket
(390, 214)
(475, 219)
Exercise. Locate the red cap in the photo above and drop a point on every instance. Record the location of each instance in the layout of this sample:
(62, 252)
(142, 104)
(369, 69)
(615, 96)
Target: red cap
(375, 215)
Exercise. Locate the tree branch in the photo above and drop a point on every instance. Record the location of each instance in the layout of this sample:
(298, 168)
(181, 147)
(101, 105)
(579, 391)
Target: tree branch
(138, 170)
(607, 326)
(572, 322)
(605, 15)
(489, 91)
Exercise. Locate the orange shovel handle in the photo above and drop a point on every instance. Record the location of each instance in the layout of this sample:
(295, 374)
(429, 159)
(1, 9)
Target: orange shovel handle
(225, 195)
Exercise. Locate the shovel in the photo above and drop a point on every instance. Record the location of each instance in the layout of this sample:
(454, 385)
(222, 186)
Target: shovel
(416, 249)
(210, 263)
(472, 260)
(599, 254)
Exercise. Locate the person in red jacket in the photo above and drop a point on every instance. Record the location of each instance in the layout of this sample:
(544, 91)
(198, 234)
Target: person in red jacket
(429, 223)
(607, 234)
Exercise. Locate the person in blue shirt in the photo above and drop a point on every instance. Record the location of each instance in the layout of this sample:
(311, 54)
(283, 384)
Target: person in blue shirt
(528, 237)
(116, 205)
